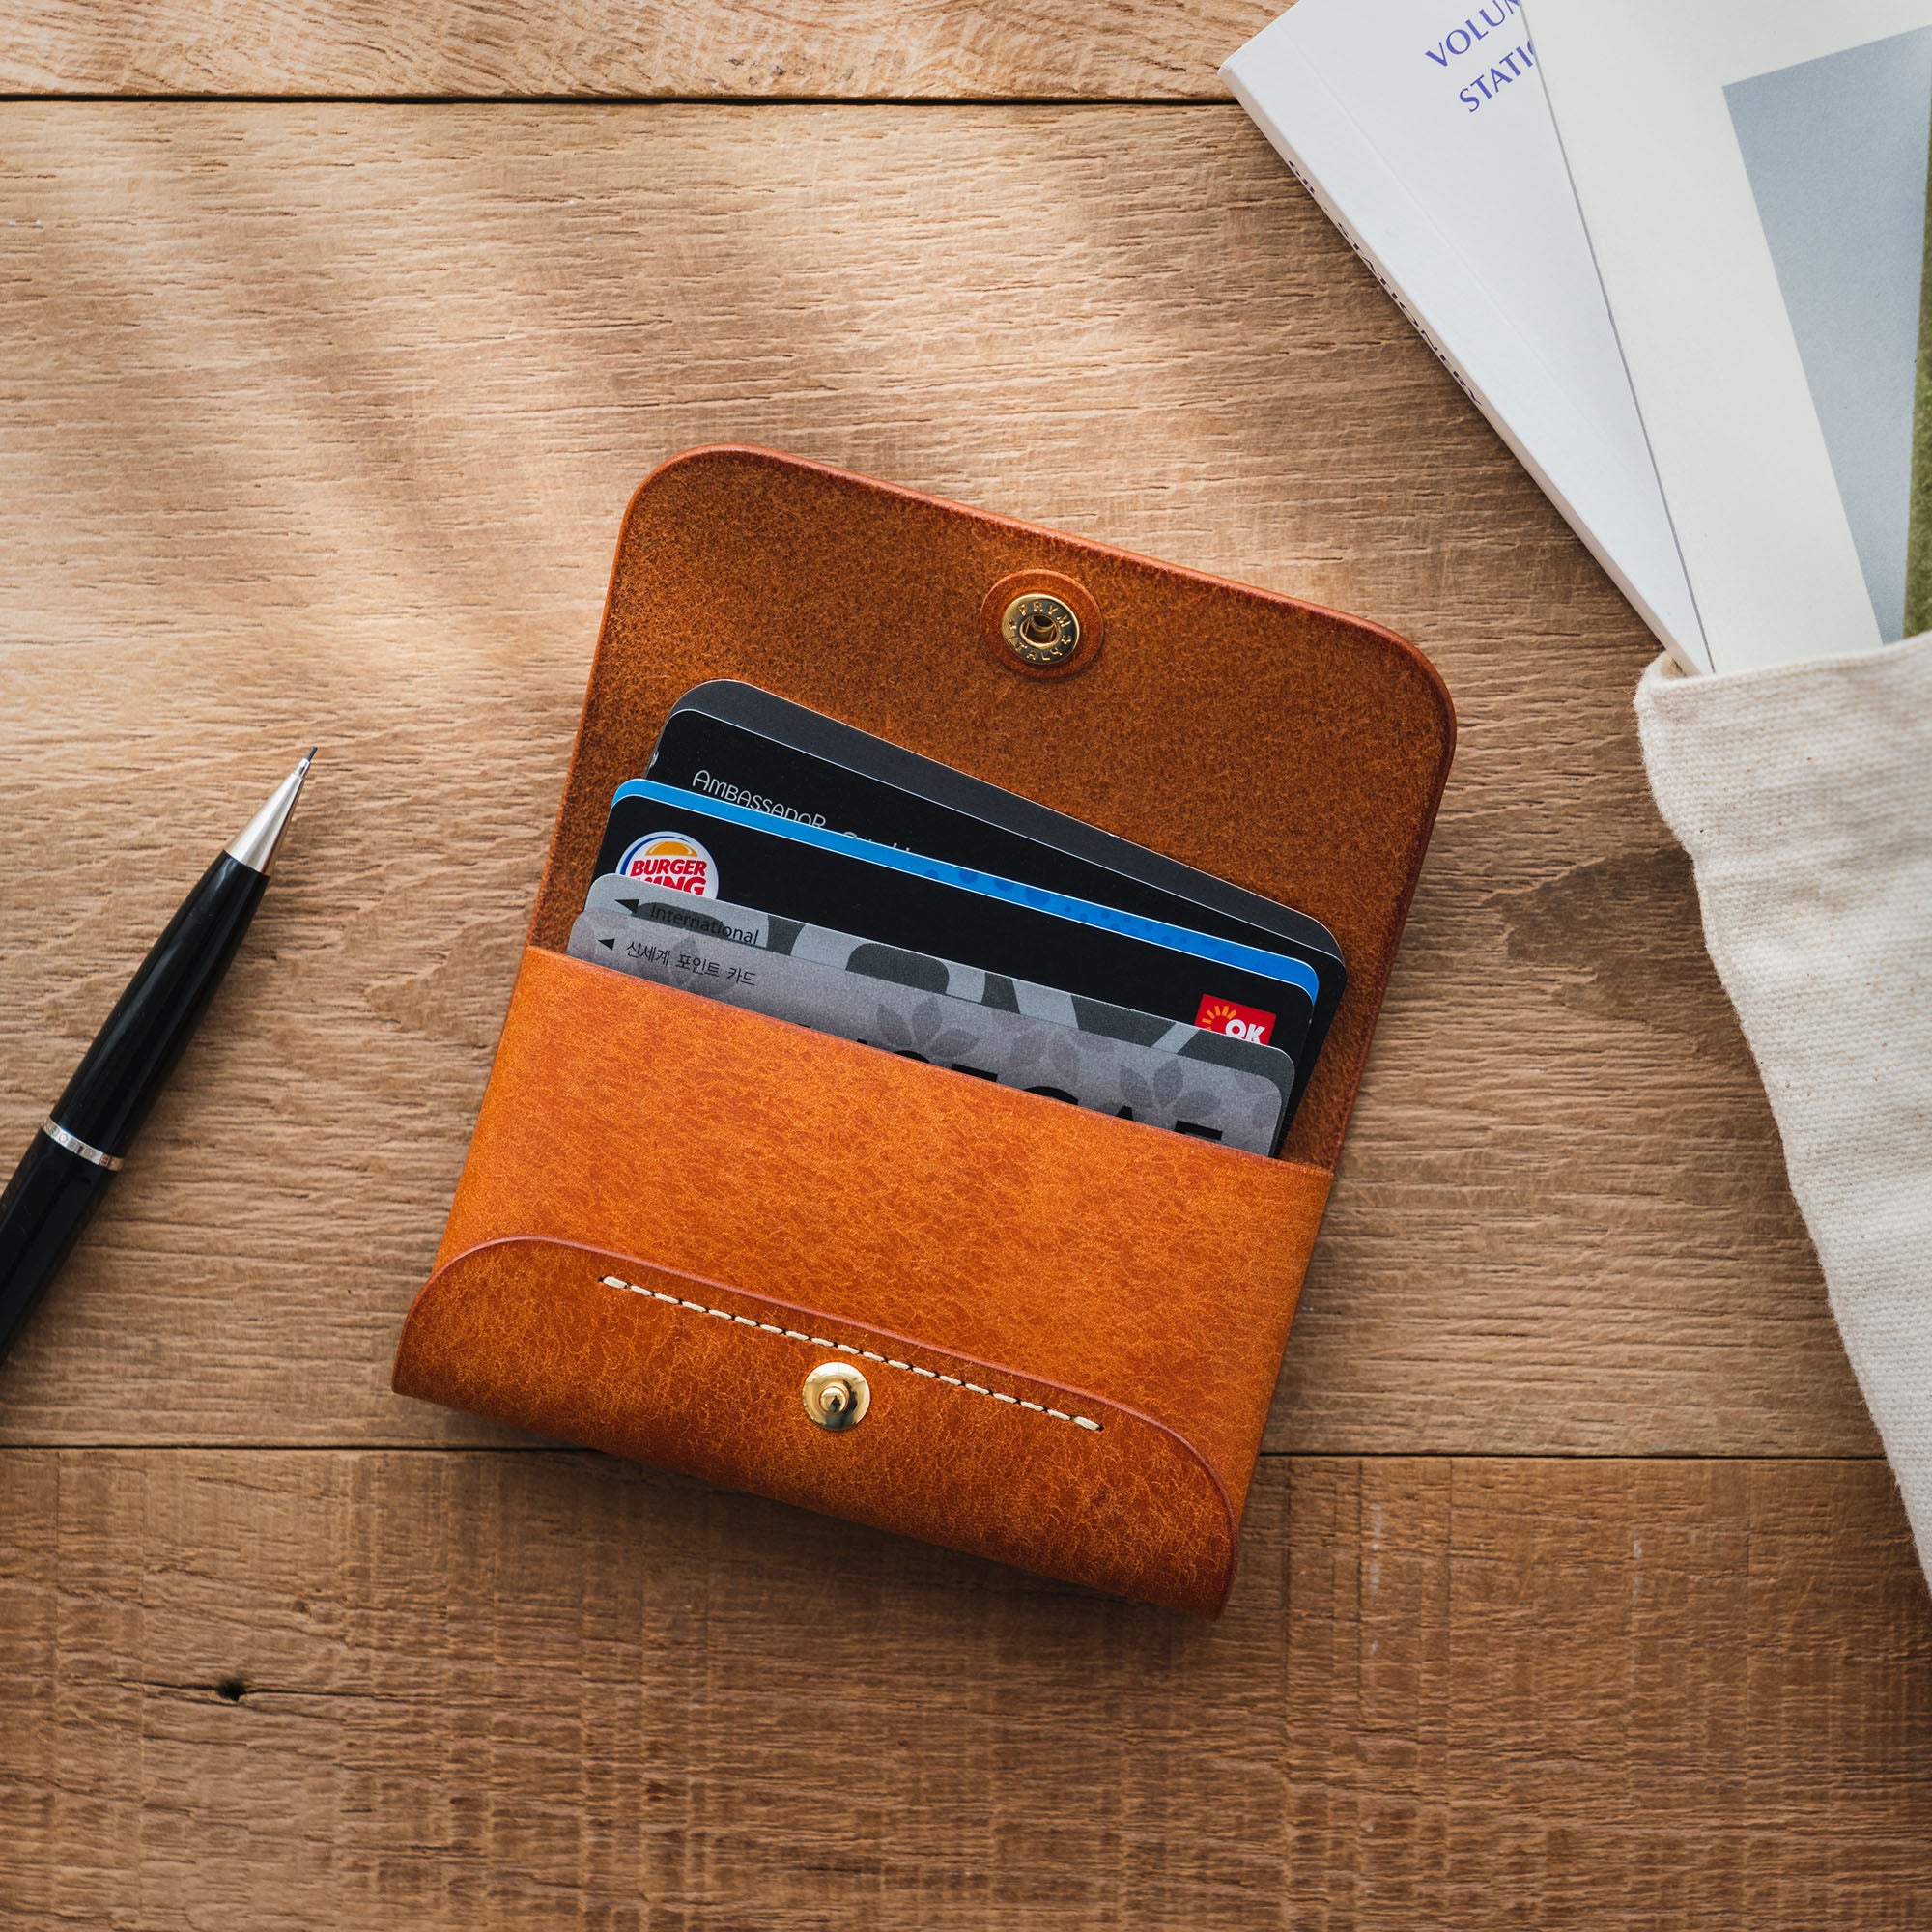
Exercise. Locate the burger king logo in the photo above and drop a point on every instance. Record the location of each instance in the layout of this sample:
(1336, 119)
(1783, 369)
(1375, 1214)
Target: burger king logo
(671, 860)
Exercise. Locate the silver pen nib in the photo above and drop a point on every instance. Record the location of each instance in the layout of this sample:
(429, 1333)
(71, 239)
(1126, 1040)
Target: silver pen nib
(255, 846)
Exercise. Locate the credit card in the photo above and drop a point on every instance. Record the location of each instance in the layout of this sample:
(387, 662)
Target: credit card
(1112, 1076)
(656, 835)
(734, 741)
(668, 908)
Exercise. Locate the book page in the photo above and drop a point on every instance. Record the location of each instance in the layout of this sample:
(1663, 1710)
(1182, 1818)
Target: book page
(1752, 174)
(1422, 127)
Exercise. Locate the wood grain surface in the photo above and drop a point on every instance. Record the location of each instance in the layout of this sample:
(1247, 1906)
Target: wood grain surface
(1575, 1593)
(843, 49)
(320, 423)
(279, 1690)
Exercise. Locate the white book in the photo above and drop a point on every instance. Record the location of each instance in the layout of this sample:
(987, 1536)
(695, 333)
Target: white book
(1752, 174)
(1423, 133)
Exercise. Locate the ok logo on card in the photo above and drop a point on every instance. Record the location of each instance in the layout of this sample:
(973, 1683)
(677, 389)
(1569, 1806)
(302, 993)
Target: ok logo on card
(1238, 1022)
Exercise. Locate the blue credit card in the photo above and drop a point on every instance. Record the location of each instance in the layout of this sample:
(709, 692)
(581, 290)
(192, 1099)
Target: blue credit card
(665, 837)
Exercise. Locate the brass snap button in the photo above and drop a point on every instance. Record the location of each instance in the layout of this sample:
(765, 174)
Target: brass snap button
(836, 1395)
(1040, 630)
(1040, 624)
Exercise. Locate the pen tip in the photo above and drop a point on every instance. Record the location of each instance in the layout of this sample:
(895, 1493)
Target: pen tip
(255, 847)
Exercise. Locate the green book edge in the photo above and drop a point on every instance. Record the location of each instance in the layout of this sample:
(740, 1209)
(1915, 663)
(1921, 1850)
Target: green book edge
(1918, 535)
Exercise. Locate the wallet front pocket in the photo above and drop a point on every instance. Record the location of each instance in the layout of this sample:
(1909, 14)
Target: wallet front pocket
(673, 1210)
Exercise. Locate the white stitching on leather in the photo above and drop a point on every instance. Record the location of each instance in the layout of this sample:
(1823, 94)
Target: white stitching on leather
(819, 1342)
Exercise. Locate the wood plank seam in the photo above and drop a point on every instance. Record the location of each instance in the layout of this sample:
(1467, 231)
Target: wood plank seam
(874, 50)
(911, 101)
(1717, 1459)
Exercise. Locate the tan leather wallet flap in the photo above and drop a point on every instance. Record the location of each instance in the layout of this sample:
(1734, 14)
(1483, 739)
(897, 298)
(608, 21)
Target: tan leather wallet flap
(693, 1374)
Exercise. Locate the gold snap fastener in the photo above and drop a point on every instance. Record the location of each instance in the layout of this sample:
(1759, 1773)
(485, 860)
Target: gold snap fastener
(1040, 624)
(836, 1395)
(1039, 630)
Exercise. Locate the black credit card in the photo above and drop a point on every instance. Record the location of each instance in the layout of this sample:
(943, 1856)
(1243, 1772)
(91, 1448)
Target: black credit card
(732, 741)
(712, 849)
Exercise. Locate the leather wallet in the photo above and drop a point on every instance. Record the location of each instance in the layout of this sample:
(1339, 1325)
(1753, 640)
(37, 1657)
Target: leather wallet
(1066, 1329)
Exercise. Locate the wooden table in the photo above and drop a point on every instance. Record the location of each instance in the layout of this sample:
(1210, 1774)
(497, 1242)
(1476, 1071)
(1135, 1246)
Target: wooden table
(332, 338)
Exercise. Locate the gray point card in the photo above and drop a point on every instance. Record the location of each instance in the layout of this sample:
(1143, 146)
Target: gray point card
(748, 927)
(1233, 1105)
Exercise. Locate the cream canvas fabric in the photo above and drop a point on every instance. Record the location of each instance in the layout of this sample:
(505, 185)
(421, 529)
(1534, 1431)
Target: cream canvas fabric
(1804, 796)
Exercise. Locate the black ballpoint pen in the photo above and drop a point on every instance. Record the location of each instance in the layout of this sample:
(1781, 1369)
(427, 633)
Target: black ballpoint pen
(81, 1144)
